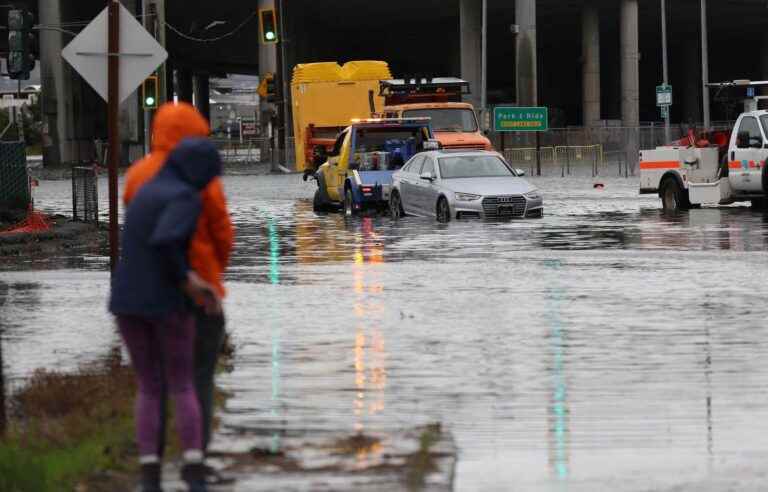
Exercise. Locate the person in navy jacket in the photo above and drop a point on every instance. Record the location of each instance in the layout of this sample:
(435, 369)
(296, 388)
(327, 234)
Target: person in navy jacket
(152, 290)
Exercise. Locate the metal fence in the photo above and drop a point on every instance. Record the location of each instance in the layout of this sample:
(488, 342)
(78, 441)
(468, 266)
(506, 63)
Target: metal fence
(14, 179)
(561, 161)
(243, 152)
(85, 194)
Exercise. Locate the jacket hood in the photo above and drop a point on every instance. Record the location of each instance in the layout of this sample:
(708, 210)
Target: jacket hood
(196, 161)
(175, 122)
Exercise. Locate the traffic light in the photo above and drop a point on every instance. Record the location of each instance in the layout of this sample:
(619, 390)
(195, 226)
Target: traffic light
(268, 22)
(149, 92)
(271, 88)
(21, 60)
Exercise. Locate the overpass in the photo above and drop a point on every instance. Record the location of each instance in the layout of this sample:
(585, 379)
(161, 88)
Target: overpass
(590, 61)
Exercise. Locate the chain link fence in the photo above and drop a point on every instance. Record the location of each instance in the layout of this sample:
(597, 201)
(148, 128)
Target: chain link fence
(85, 194)
(14, 179)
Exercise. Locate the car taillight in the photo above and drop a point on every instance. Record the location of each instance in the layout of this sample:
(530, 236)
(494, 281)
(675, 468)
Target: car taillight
(366, 189)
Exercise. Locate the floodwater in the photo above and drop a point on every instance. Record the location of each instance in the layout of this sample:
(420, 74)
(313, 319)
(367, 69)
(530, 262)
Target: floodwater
(606, 346)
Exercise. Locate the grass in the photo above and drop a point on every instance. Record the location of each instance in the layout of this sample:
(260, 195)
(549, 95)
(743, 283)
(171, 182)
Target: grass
(75, 431)
(65, 427)
(422, 463)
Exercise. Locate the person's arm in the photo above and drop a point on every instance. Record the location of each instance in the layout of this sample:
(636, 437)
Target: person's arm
(171, 236)
(174, 227)
(219, 221)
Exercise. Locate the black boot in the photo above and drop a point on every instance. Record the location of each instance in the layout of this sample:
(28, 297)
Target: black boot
(150, 477)
(193, 475)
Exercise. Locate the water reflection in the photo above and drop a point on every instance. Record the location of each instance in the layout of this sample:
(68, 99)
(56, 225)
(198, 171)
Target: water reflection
(559, 424)
(277, 335)
(370, 354)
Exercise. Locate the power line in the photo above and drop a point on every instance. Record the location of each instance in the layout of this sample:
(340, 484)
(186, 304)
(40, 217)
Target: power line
(214, 39)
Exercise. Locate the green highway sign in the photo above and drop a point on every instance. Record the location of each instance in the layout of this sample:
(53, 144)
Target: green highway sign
(664, 95)
(515, 119)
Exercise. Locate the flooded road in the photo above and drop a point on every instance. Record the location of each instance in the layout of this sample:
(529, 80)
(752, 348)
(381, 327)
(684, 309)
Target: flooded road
(603, 347)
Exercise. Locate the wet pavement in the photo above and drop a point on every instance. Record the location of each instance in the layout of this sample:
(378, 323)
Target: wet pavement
(606, 346)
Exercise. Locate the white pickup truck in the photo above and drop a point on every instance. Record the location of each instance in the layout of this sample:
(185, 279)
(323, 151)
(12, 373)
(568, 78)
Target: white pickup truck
(686, 177)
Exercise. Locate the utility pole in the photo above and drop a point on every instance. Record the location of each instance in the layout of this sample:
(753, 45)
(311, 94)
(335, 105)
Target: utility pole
(113, 97)
(484, 64)
(149, 15)
(280, 88)
(667, 133)
(287, 130)
(705, 65)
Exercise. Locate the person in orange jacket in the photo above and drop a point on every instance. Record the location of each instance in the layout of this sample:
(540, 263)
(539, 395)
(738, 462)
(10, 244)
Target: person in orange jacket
(209, 250)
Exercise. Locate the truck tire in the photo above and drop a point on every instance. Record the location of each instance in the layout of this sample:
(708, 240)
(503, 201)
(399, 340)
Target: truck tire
(318, 204)
(396, 210)
(349, 202)
(673, 196)
(321, 202)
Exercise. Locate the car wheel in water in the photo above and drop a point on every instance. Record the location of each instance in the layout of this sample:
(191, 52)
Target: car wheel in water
(349, 203)
(443, 210)
(396, 206)
(318, 204)
(673, 197)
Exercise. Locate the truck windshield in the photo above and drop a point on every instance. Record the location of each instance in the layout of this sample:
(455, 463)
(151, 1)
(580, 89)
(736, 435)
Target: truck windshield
(386, 148)
(764, 122)
(473, 166)
(446, 119)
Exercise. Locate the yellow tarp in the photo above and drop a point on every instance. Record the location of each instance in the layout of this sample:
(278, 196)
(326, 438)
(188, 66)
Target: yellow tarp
(333, 72)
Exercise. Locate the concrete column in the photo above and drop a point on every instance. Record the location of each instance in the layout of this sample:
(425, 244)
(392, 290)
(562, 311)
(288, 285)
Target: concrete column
(527, 80)
(203, 94)
(55, 87)
(185, 84)
(630, 77)
(470, 25)
(590, 41)
(170, 81)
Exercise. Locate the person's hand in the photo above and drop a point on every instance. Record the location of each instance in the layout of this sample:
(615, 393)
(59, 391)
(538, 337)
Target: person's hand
(200, 290)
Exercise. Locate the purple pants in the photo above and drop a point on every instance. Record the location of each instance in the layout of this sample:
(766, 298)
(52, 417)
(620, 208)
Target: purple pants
(157, 346)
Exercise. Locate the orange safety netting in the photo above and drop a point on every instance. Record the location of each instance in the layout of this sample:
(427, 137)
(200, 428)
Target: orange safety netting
(35, 222)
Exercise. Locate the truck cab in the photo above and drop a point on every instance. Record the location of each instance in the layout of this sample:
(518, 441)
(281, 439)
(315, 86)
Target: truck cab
(358, 171)
(454, 122)
(747, 153)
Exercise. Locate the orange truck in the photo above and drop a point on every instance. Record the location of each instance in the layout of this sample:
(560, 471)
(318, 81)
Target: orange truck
(454, 123)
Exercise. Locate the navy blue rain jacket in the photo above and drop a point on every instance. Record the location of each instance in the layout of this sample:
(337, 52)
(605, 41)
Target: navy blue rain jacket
(158, 226)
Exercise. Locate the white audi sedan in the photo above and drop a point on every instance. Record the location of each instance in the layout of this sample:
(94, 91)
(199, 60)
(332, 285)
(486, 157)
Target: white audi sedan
(448, 184)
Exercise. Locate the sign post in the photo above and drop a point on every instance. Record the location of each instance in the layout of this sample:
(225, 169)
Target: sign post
(664, 101)
(114, 54)
(522, 119)
(113, 124)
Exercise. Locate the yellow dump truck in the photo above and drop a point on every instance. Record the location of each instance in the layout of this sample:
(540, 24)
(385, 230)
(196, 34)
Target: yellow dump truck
(326, 97)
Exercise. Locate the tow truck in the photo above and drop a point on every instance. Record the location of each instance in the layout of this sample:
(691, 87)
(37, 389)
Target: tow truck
(453, 121)
(719, 170)
(358, 173)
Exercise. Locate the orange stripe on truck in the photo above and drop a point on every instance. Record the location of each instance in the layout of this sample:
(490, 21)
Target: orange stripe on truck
(660, 165)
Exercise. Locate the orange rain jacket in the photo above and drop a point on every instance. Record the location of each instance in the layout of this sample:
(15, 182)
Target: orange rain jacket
(212, 241)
